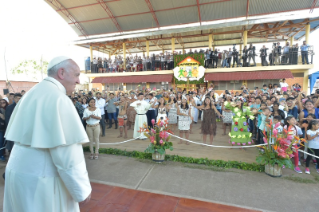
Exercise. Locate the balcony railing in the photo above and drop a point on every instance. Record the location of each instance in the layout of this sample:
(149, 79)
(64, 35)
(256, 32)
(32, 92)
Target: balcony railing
(237, 59)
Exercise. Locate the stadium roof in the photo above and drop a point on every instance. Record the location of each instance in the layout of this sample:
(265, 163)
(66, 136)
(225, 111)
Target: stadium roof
(107, 24)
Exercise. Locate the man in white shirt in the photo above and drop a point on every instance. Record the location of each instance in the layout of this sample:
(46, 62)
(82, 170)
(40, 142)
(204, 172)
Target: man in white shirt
(46, 170)
(100, 103)
(141, 107)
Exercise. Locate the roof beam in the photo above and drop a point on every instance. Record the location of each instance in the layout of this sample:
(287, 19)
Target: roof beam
(298, 31)
(110, 14)
(247, 9)
(313, 5)
(150, 7)
(58, 5)
(199, 16)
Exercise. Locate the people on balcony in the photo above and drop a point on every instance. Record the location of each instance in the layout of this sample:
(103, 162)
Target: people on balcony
(287, 55)
(304, 52)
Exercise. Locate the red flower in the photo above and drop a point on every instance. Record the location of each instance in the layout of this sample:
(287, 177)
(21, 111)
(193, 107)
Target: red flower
(241, 129)
(236, 123)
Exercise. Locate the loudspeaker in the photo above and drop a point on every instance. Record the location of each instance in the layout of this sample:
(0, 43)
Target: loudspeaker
(5, 91)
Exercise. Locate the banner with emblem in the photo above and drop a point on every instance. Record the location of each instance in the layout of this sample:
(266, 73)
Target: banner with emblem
(189, 68)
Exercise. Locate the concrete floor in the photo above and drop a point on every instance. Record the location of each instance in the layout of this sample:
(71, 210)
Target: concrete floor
(251, 190)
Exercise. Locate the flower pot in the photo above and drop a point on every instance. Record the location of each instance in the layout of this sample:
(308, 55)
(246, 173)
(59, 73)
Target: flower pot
(157, 157)
(273, 170)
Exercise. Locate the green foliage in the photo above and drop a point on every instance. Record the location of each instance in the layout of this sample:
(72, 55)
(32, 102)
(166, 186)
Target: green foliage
(190, 160)
(30, 67)
(199, 57)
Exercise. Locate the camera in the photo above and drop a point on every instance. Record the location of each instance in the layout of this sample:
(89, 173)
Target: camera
(234, 47)
(317, 91)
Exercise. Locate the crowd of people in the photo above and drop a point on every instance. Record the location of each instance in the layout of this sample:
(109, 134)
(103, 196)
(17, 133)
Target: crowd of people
(278, 55)
(244, 113)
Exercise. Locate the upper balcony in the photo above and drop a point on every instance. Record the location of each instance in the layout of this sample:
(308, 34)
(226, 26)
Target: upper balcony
(292, 61)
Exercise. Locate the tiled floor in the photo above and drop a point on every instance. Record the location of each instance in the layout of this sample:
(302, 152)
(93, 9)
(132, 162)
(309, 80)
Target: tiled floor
(116, 199)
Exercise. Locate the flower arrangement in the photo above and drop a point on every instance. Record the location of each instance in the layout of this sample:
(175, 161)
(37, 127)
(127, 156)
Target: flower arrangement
(279, 148)
(158, 136)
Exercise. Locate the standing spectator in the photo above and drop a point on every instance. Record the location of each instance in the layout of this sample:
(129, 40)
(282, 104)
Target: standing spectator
(229, 56)
(263, 55)
(111, 110)
(92, 116)
(78, 106)
(94, 65)
(3, 106)
(304, 52)
(283, 85)
(100, 103)
(8, 113)
(22, 92)
(285, 56)
(251, 54)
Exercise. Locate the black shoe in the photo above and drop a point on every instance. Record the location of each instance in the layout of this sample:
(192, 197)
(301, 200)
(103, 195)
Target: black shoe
(110, 124)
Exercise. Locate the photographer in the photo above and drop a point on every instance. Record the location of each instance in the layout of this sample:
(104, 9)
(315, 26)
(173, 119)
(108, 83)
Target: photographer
(251, 54)
(235, 56)
(263, 55)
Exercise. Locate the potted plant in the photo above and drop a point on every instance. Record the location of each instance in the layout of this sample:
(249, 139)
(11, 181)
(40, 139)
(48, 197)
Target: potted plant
(278, 151)
(159, 139)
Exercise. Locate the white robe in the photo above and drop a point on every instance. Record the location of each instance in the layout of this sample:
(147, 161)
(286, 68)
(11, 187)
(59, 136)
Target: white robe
(140, 117)
(46, 170)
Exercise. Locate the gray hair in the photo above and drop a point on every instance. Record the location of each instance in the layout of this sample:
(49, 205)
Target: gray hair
(64, 64)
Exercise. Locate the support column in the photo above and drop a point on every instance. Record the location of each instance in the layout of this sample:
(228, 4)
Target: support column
(305, 81)
(240, 48)
(210, 41)
(91, 53)
(147, 48)
(183, 50)
(173, 45)
(291, 40)
(147, 85)
(213, 42)
(163, 51)
(124, 55)
(307, 33)
(245, 37)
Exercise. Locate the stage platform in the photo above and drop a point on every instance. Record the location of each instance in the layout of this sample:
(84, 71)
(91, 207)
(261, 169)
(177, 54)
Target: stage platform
(191, 150)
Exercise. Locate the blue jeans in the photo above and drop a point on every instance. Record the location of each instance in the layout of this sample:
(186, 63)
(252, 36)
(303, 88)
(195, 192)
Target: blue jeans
(1, 143)
(224, 63)
(112, 116)
(304, 55)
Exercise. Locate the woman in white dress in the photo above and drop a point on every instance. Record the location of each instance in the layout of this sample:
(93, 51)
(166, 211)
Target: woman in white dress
(172, 112)
(161, 114)
(184, 120)
(92, 116)
(179, 98)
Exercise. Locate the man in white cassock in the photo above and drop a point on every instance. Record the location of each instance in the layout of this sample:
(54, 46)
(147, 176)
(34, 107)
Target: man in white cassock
(141, 107)
(46, 170)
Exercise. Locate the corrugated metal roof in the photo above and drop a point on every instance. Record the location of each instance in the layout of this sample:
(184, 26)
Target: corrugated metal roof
(273, 6)
(176, 17)
(99, 27)
(125, 7)
(165, 4)
(133, 22)
(68, 3)
(223, 10)
(89, 13)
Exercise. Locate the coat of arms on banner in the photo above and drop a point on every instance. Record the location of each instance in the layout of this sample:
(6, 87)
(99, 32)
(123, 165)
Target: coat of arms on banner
(189, 68)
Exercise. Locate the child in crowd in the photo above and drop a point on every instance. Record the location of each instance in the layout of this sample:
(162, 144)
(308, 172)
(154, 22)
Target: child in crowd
(276, 119)
(313, 143)
(262, 119)
(219, 107)
(305, 128)
(290, 124)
